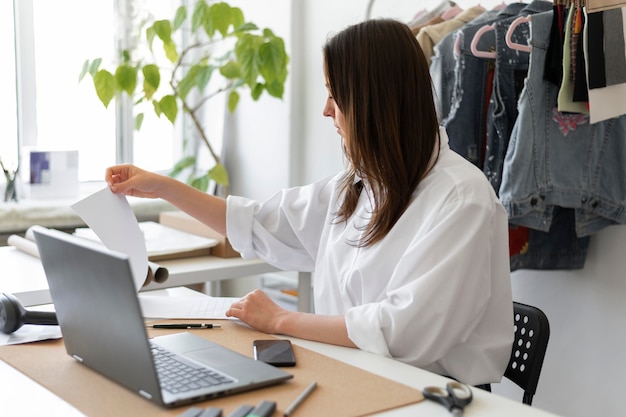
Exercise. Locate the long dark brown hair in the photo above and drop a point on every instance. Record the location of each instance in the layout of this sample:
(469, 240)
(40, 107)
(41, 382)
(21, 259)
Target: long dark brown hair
(380, 80)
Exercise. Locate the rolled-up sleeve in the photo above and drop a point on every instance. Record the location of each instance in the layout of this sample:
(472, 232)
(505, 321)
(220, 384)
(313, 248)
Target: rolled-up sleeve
(284, 230)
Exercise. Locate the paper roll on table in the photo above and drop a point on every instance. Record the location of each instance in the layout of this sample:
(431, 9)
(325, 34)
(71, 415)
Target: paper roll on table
(27, 245)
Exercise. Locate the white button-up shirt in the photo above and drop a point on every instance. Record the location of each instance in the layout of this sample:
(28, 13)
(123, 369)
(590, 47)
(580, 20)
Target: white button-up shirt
(434, 293)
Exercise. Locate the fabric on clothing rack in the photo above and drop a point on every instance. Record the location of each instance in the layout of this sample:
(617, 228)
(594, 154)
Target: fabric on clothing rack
(435, 20)
(599, 5)
(443, 61)
(614, 51)
(558, 159)
(595, 50)
(471, 94)
(566, 101)
(510, 72)
(553, 67)
(558, 248)
(609, 101)
(580, 80)
(430, 35)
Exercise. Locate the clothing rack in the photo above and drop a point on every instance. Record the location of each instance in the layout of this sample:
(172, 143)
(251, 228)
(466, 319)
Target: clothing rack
(442, 6)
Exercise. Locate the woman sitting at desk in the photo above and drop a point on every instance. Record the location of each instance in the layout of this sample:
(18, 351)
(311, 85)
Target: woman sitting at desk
(408, 245)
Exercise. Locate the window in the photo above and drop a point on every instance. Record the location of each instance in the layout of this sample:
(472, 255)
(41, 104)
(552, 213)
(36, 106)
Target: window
(8, 106)
(52, 41)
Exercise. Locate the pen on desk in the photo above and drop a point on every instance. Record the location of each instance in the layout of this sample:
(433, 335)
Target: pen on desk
(300, 399)
(185, 326)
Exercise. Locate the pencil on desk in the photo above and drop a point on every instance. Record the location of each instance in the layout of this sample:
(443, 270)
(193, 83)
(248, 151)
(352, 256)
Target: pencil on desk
(303, 396)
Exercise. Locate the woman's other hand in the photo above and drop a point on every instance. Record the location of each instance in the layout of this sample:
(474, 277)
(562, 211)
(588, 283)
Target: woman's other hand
(133, 181)
(258, 310)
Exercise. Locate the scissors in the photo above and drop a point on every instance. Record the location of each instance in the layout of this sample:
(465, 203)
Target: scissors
(454, 397)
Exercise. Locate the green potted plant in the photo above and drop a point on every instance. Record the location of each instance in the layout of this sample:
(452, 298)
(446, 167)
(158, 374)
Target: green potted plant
(254, 59)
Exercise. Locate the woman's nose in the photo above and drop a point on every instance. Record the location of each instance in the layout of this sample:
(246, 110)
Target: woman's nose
(327, 111)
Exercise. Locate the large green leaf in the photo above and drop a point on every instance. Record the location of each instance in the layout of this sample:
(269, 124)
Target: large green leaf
(233, 100)
(275, 89)
(188, 82)
(169, 107)
(220, 18)
(126, 79)
(150, 34)
(230, 70)
(273, 60)
(246, 52)
(200, 11)
(170, 51)
(151, 80)
(257, 90)
(183, 164)
(138, 121)
(204, 76)
(104, 82)
(245, 27)
(237, 20)
(95, 65)
(201, 183)
(219, 174)
(90, 67)
(163, 30)
(179, 18)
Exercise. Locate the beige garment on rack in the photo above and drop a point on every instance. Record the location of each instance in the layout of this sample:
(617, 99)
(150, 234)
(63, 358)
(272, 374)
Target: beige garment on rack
(598, 5)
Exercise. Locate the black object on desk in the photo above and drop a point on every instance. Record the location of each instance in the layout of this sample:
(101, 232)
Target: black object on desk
(199, 412)
(185, 326)
(211, 412)
(264, 409)
(241, 411)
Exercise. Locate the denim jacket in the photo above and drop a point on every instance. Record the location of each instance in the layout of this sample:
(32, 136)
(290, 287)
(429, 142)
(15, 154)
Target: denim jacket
(557, 159)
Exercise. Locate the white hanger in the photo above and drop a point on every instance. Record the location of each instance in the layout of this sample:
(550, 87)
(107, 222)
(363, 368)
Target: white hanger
(476, 38)
(509, 34)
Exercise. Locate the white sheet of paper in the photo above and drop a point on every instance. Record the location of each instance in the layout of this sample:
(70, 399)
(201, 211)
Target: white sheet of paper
(30, 333)
(154, 306)
(110, 216)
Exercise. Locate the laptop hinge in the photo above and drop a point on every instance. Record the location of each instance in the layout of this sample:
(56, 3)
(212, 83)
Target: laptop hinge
(145, 394)
(78, 358)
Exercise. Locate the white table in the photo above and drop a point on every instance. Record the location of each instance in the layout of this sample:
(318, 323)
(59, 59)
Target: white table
(23, 275)
(17, 390)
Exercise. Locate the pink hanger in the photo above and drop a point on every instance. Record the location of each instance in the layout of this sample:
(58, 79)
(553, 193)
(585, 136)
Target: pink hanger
(509, 34)
(451, 12)
(476, 38)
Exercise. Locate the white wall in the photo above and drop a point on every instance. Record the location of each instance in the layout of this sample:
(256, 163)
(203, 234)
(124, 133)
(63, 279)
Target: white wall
(294, 144)
(257, 142)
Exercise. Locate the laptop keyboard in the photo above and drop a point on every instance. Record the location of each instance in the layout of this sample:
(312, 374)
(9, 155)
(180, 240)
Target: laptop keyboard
(177, 375)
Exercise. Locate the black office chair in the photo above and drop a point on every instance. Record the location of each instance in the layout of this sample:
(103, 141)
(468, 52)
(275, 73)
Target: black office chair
(532, 331)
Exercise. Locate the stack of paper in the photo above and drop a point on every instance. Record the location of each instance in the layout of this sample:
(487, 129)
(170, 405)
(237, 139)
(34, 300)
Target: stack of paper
(163, 242)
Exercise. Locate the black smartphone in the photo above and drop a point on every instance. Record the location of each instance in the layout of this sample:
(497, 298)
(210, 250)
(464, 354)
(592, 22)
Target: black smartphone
(274, 352)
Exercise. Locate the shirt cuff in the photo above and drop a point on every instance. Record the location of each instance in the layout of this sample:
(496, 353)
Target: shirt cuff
(239, 218)
(364, 329)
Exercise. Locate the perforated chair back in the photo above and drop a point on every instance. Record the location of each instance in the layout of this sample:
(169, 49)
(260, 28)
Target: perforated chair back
(532, 331)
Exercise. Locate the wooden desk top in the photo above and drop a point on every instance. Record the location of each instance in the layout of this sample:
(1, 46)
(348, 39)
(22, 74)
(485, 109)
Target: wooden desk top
(343, 390)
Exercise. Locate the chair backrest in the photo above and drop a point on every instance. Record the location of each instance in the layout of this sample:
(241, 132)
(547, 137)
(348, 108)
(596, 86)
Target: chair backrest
(532, 331)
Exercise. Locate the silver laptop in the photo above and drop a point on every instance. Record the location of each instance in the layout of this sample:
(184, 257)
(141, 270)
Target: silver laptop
(102, 325)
